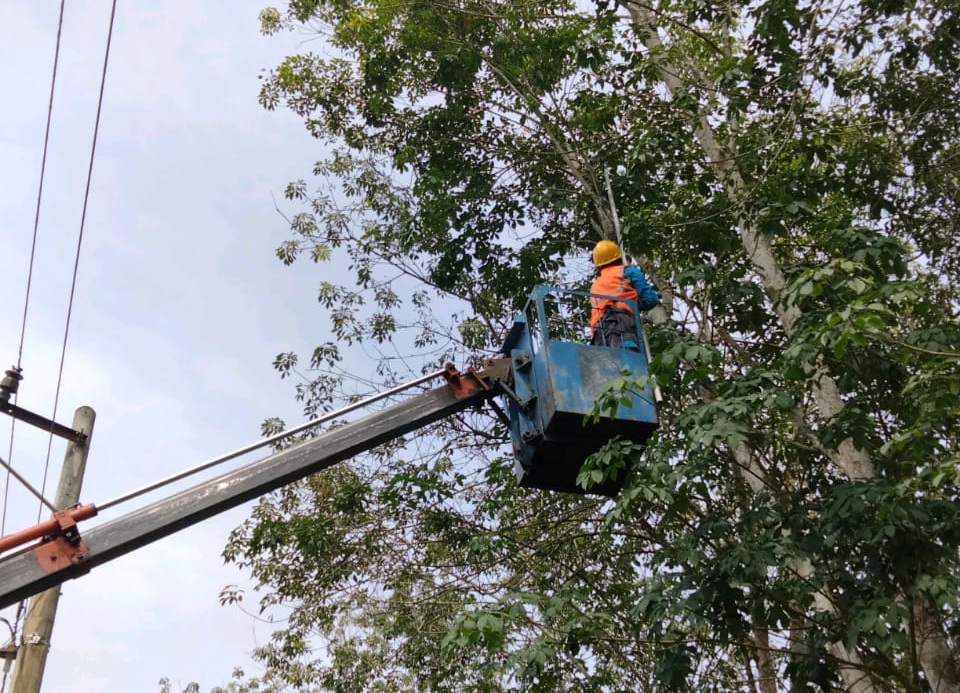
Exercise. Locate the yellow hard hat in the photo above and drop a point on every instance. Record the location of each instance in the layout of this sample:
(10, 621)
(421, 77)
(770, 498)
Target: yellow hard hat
(605, 252)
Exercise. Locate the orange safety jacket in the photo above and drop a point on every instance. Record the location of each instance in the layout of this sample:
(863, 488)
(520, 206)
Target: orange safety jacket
(611, 282)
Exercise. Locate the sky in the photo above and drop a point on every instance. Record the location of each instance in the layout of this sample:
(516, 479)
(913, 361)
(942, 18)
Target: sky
(180, 303)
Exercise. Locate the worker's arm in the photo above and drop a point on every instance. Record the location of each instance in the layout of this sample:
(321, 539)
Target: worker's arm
(647, 296)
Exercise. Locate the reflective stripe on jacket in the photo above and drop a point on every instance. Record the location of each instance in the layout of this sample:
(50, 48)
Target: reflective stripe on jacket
(611, 282)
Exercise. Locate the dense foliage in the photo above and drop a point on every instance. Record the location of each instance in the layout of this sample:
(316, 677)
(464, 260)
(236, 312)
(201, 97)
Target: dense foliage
(788, 174)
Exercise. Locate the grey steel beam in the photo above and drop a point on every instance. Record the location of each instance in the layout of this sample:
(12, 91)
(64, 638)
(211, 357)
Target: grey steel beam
(21, 575)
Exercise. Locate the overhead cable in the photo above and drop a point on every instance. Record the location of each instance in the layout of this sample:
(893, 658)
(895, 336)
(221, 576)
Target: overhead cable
(83, 219)
(43, 168)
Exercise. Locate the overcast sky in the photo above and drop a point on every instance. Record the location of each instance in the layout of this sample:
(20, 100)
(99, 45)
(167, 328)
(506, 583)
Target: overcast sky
(180, 302)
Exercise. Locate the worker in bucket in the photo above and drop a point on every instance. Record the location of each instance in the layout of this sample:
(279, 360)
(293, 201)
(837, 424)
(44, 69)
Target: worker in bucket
(613, 322)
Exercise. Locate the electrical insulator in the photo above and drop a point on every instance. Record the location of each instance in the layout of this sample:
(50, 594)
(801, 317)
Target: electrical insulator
(10, 383)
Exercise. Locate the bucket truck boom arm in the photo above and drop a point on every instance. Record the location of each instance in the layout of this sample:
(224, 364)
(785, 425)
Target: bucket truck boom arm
(30, 571)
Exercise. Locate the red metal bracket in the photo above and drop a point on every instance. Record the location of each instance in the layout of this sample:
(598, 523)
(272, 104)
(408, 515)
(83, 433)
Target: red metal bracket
(464, 384)
(64, 548)
(60, 545)
(474, 381)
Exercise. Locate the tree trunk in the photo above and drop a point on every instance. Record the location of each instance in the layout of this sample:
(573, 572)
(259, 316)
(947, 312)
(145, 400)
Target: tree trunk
(933, 647)
(768, 675)
(854, 463)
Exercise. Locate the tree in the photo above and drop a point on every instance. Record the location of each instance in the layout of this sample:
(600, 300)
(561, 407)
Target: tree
(167, 687)
(788, 174)
(239, 682)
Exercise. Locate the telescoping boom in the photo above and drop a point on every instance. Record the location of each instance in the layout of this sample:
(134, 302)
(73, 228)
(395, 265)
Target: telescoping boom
(549, 376)
(27, 573)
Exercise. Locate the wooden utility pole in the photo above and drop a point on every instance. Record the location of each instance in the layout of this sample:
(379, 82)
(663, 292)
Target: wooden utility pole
(38, 627)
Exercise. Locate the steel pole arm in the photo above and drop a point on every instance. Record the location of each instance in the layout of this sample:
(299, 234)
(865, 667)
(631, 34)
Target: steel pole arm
(41, 422)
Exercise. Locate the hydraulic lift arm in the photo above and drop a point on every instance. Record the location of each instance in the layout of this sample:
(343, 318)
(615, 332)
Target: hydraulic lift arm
(552, 380)
(29, 572)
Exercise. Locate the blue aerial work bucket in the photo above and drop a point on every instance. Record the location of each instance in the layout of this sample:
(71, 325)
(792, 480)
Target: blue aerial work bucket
(557, 377)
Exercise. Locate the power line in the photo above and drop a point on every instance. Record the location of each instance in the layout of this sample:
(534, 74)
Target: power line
(76, 261)
(43, 168)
